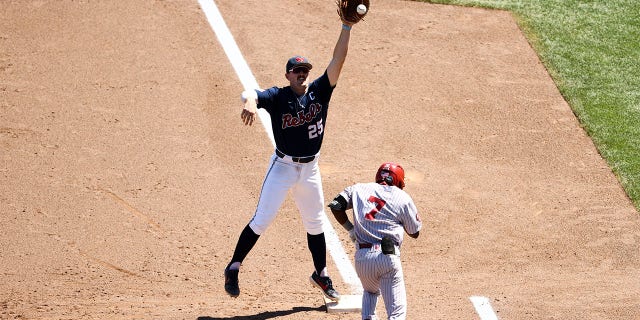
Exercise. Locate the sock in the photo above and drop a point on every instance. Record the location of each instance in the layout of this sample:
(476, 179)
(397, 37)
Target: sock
(318, 248)
(247, 240)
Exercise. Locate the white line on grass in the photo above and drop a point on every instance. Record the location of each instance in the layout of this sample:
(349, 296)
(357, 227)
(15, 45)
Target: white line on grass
(483, 308)
(249, 82)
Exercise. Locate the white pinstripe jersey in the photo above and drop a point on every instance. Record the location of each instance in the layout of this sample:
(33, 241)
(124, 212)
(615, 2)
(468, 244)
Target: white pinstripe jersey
(380, 210)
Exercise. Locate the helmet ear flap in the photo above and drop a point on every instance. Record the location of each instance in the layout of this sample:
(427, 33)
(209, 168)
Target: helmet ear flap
(391, 173)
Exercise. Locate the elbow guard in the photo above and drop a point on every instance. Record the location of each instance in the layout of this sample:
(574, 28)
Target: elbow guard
(339, 203)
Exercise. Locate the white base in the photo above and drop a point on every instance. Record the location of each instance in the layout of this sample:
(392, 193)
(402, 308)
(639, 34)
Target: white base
(347, 303)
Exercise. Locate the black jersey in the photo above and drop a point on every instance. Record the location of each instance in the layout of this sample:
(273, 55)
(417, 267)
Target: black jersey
(298, 123)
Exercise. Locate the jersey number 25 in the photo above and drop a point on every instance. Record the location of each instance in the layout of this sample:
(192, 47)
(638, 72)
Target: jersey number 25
(315, 129)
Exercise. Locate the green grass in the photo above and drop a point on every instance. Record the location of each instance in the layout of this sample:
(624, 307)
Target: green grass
(591, 49)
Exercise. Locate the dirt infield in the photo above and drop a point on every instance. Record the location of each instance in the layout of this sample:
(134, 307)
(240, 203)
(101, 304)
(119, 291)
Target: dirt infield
(127, 174)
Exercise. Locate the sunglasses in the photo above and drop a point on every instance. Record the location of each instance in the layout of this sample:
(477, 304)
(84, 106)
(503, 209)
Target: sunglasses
(300, 70)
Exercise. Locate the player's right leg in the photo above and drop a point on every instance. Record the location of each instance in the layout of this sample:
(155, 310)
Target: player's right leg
(280, 177)
(247, 240)
(277, 182)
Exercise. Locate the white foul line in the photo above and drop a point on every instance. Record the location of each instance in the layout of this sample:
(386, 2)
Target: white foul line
(249, 82)
(235, 57)
(483, 308)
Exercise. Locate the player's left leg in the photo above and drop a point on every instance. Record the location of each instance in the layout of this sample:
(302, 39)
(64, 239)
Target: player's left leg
(368, 268)
(369, 303)
(279, 178)
(309, 199)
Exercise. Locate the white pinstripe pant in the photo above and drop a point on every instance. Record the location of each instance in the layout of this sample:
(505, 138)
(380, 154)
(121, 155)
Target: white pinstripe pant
(381, 274)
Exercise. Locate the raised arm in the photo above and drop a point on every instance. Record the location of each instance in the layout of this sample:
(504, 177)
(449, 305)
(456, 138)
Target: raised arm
(339, 54)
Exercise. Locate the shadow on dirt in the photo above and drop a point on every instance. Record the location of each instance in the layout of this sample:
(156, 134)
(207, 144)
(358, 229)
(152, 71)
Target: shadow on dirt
(268, 315)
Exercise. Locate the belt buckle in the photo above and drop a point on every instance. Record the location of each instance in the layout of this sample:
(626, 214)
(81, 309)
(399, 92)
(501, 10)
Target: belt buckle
(295, 159)
(375, 247)
(372, 247)
(307, 159)
(302, 159)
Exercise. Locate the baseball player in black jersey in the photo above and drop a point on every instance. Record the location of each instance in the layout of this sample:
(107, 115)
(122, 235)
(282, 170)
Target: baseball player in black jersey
(298, 118)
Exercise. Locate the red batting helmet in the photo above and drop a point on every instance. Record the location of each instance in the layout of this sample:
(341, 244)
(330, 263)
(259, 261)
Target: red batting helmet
(391, 174)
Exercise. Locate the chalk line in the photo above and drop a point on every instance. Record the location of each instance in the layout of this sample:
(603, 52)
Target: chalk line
(483, 308)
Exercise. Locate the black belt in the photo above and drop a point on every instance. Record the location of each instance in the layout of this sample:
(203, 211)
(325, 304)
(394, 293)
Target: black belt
(296, 159)
(387, 248)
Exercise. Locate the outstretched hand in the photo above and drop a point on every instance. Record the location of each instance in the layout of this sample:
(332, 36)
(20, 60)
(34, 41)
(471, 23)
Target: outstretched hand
(248, 115)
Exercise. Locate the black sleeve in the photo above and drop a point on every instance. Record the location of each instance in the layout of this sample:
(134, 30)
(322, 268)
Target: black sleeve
(339, 203)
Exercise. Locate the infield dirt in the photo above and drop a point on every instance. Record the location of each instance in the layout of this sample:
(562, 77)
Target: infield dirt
(127, 174)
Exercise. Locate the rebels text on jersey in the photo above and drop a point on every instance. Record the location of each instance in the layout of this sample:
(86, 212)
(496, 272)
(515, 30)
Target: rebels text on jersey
(298, 123)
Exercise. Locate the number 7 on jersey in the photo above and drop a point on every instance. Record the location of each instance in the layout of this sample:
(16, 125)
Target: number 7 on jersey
(379, 204)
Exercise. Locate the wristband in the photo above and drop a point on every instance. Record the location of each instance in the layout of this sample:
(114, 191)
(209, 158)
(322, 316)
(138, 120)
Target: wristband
(248, 94)
(347, 225)
(346, 27)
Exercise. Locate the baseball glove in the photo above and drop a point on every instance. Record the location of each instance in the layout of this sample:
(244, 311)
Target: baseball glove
(348, 10)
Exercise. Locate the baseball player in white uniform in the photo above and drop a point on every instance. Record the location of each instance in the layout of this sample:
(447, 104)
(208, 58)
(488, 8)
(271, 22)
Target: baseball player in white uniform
(382, 214)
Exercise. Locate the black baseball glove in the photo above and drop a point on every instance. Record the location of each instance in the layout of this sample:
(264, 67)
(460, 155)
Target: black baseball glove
(350, 13)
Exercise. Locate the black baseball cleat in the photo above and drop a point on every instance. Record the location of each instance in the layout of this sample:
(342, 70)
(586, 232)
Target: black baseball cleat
(231, 282)
(324, 284)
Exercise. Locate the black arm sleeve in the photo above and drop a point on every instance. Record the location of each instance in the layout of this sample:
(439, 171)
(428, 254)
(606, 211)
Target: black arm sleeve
(339, 203)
